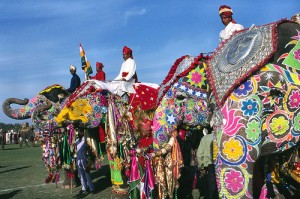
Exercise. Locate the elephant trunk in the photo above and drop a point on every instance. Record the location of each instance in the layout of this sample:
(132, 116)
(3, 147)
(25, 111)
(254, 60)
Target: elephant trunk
(41, 108)
(18, 114)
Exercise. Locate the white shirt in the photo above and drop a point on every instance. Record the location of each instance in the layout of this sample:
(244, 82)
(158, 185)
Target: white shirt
(128, 66)
(229, 30)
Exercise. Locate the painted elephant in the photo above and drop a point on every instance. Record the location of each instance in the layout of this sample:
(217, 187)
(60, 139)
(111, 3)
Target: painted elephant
(254, 80)
(258, 108)
(182, 104)
(41, 108)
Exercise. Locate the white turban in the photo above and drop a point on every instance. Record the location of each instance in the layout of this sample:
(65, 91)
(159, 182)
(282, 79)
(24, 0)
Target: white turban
(72, 67)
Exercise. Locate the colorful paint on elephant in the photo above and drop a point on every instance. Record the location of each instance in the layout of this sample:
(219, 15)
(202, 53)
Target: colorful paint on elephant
(261, 114)
(182, 103)
(183, 100)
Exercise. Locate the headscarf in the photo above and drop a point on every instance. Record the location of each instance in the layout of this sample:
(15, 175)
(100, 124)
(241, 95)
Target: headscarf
(127, 50)
(227, 11)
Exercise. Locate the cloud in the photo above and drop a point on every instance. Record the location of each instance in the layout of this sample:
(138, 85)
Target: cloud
(133, 12)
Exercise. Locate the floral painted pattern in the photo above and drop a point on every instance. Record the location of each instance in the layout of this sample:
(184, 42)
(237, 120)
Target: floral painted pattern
(279, 125)
(233, 149)
(244, 89)
(234, 180)
(297, 54)
(294, 99)
(297, 122)
(253, 130)
(197, 77)
(249, 107)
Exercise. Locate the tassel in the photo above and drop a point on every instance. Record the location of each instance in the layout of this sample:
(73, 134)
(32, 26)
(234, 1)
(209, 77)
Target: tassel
(49, 178)
(195, 180)
(57, 177)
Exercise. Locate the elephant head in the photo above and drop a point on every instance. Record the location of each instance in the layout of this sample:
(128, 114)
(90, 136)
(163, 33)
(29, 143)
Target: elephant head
(182, 100)
(258, 107)
(40, 108)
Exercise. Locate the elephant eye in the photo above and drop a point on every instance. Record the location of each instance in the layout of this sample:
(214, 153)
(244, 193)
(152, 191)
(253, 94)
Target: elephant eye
(180, 96)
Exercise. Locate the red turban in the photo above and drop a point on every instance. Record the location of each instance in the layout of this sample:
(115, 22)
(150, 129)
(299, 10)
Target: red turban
(127, 50)
(99, 64)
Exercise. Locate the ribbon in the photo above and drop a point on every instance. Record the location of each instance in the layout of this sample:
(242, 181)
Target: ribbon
(134, 169)
(149, 178)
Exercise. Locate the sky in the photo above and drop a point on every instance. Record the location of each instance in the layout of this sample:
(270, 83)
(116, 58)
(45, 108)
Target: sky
(40, 39)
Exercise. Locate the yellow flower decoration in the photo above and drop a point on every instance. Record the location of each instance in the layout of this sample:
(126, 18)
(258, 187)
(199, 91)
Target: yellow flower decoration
(233, 149)
(279, 125)
(77, 111)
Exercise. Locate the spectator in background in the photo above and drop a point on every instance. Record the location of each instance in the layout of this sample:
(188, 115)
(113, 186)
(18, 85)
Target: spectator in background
(75, 80)
(100, 75)
(81, 162)
(208, 184)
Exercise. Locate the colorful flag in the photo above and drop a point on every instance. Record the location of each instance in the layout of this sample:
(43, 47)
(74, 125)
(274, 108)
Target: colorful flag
(86, 66)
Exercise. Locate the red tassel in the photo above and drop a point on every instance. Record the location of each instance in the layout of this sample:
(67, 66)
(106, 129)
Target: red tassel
(49, 178)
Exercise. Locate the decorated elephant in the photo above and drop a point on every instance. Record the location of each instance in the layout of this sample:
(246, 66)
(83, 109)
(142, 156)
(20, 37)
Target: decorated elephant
(254, 80)
(257, 108)
(41, 108)
(183, 103)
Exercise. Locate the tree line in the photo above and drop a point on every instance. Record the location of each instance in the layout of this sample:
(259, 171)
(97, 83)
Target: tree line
(6, 127)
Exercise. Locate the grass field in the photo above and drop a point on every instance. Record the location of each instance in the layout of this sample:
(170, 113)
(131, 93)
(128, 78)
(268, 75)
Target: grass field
(23, 174)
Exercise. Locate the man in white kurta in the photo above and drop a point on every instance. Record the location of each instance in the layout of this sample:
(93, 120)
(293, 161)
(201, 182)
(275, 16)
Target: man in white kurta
(231, 26)
(127, 75)
(128, 68)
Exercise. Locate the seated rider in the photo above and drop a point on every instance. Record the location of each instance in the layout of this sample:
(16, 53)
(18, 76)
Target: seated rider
(128, 68)
(75, 80)
(231, 26)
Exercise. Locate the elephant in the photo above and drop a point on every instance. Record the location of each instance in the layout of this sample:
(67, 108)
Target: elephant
(182, 103)
(250, 94)
(26, 134)
(257, 109)
(41, 108)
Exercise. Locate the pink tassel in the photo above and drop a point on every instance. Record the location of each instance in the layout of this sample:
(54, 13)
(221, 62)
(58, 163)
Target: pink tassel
(195, 181)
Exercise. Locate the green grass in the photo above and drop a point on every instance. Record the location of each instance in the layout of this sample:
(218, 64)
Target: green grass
(23, 174)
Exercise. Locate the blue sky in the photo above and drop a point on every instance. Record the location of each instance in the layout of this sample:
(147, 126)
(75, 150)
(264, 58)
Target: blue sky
(40, 39)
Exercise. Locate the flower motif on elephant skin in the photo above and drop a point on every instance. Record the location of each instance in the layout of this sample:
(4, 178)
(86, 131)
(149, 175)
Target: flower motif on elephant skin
(297, 122)
(253, 130)
(232, 124)
(297, 54)
(234, 180)
(196, 77)
(294, 99)
(279, 125)
(233, 149)
(249, 107)
(244, 89)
